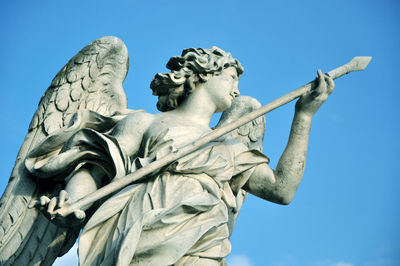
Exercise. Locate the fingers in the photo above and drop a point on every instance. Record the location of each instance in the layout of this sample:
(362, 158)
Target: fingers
(325, 82)
(321, 82)
(49, 208)
(79, 214)
(320, 75)
(331, 84)
(311, 101)
(33, 203)
(52, 205)
(63, 198)
(44, 200)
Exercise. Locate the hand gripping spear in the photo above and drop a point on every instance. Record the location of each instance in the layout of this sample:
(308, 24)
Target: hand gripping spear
(358, 63)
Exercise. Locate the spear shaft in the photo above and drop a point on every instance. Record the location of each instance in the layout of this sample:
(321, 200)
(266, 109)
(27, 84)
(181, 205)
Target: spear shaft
(356, 64)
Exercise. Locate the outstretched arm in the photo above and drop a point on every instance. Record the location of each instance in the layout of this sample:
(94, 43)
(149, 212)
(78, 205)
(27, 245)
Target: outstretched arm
(279, 186)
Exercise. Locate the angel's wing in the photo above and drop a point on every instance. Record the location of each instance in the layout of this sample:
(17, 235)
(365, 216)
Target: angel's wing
(250, 134)
(90, 80)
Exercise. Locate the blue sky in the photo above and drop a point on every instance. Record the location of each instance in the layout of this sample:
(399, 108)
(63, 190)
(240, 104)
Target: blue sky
(345, 212)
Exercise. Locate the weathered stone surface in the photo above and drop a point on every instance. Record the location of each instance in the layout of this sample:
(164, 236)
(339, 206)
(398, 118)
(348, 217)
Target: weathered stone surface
(83, 137)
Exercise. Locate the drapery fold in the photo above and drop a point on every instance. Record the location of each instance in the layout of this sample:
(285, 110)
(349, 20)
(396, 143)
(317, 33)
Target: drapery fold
(180, 214)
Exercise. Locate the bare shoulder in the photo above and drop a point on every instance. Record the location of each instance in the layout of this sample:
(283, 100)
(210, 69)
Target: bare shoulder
(139, 121)
(129, 131)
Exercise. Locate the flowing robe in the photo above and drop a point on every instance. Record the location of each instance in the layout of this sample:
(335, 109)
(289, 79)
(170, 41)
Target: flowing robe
(182, 214)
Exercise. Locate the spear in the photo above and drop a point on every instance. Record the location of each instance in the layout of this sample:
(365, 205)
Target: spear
(358, 63)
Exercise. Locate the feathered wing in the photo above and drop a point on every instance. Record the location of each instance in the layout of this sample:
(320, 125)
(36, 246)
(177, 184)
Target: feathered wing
(250, 134)
(90, 80)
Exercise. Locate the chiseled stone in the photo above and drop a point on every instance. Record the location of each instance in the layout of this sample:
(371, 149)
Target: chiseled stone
(83, 137)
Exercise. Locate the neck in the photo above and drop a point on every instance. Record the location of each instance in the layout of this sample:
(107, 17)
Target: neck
(197, 107)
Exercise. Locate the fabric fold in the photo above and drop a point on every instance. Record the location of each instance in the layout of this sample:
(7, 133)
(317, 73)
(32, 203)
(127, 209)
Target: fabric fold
(182, 213)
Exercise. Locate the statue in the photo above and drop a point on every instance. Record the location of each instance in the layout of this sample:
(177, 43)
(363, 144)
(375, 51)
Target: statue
(83, 137)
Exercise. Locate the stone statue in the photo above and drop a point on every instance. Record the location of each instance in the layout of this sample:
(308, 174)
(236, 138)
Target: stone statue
(82, 137)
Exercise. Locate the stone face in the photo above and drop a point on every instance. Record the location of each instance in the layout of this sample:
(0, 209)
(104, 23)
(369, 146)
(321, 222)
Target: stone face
(83, 135)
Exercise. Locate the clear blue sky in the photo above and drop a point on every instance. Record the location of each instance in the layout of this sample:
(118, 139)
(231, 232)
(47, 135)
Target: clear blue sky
(346, 211)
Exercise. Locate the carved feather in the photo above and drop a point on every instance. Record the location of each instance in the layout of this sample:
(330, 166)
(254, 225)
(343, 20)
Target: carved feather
(90, 80)
(250, 134)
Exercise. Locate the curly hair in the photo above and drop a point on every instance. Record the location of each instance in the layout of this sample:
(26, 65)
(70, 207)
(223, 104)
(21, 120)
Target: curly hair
(188, 70)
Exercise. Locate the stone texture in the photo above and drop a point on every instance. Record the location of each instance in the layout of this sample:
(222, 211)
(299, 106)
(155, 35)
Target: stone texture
(83, 135)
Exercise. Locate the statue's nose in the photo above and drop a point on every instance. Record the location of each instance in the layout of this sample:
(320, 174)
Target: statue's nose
(236, 92)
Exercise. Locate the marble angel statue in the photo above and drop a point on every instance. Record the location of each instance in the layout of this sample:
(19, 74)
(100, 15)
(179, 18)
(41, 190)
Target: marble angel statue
(83, 137)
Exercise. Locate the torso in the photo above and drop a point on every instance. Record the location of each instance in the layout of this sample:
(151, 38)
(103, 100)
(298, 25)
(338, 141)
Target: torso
(136, 128)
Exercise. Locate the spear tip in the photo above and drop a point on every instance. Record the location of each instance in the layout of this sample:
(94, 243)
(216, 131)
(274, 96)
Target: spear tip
(359, 63)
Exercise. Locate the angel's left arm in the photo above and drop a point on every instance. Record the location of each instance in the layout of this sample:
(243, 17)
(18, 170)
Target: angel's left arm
(129, 133)
(279, 186)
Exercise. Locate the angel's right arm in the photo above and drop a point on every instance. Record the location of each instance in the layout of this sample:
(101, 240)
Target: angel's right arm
(129, 134)
(279, 186)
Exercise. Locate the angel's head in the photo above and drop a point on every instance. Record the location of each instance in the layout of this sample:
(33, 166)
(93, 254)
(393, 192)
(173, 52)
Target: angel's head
(194, 66)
